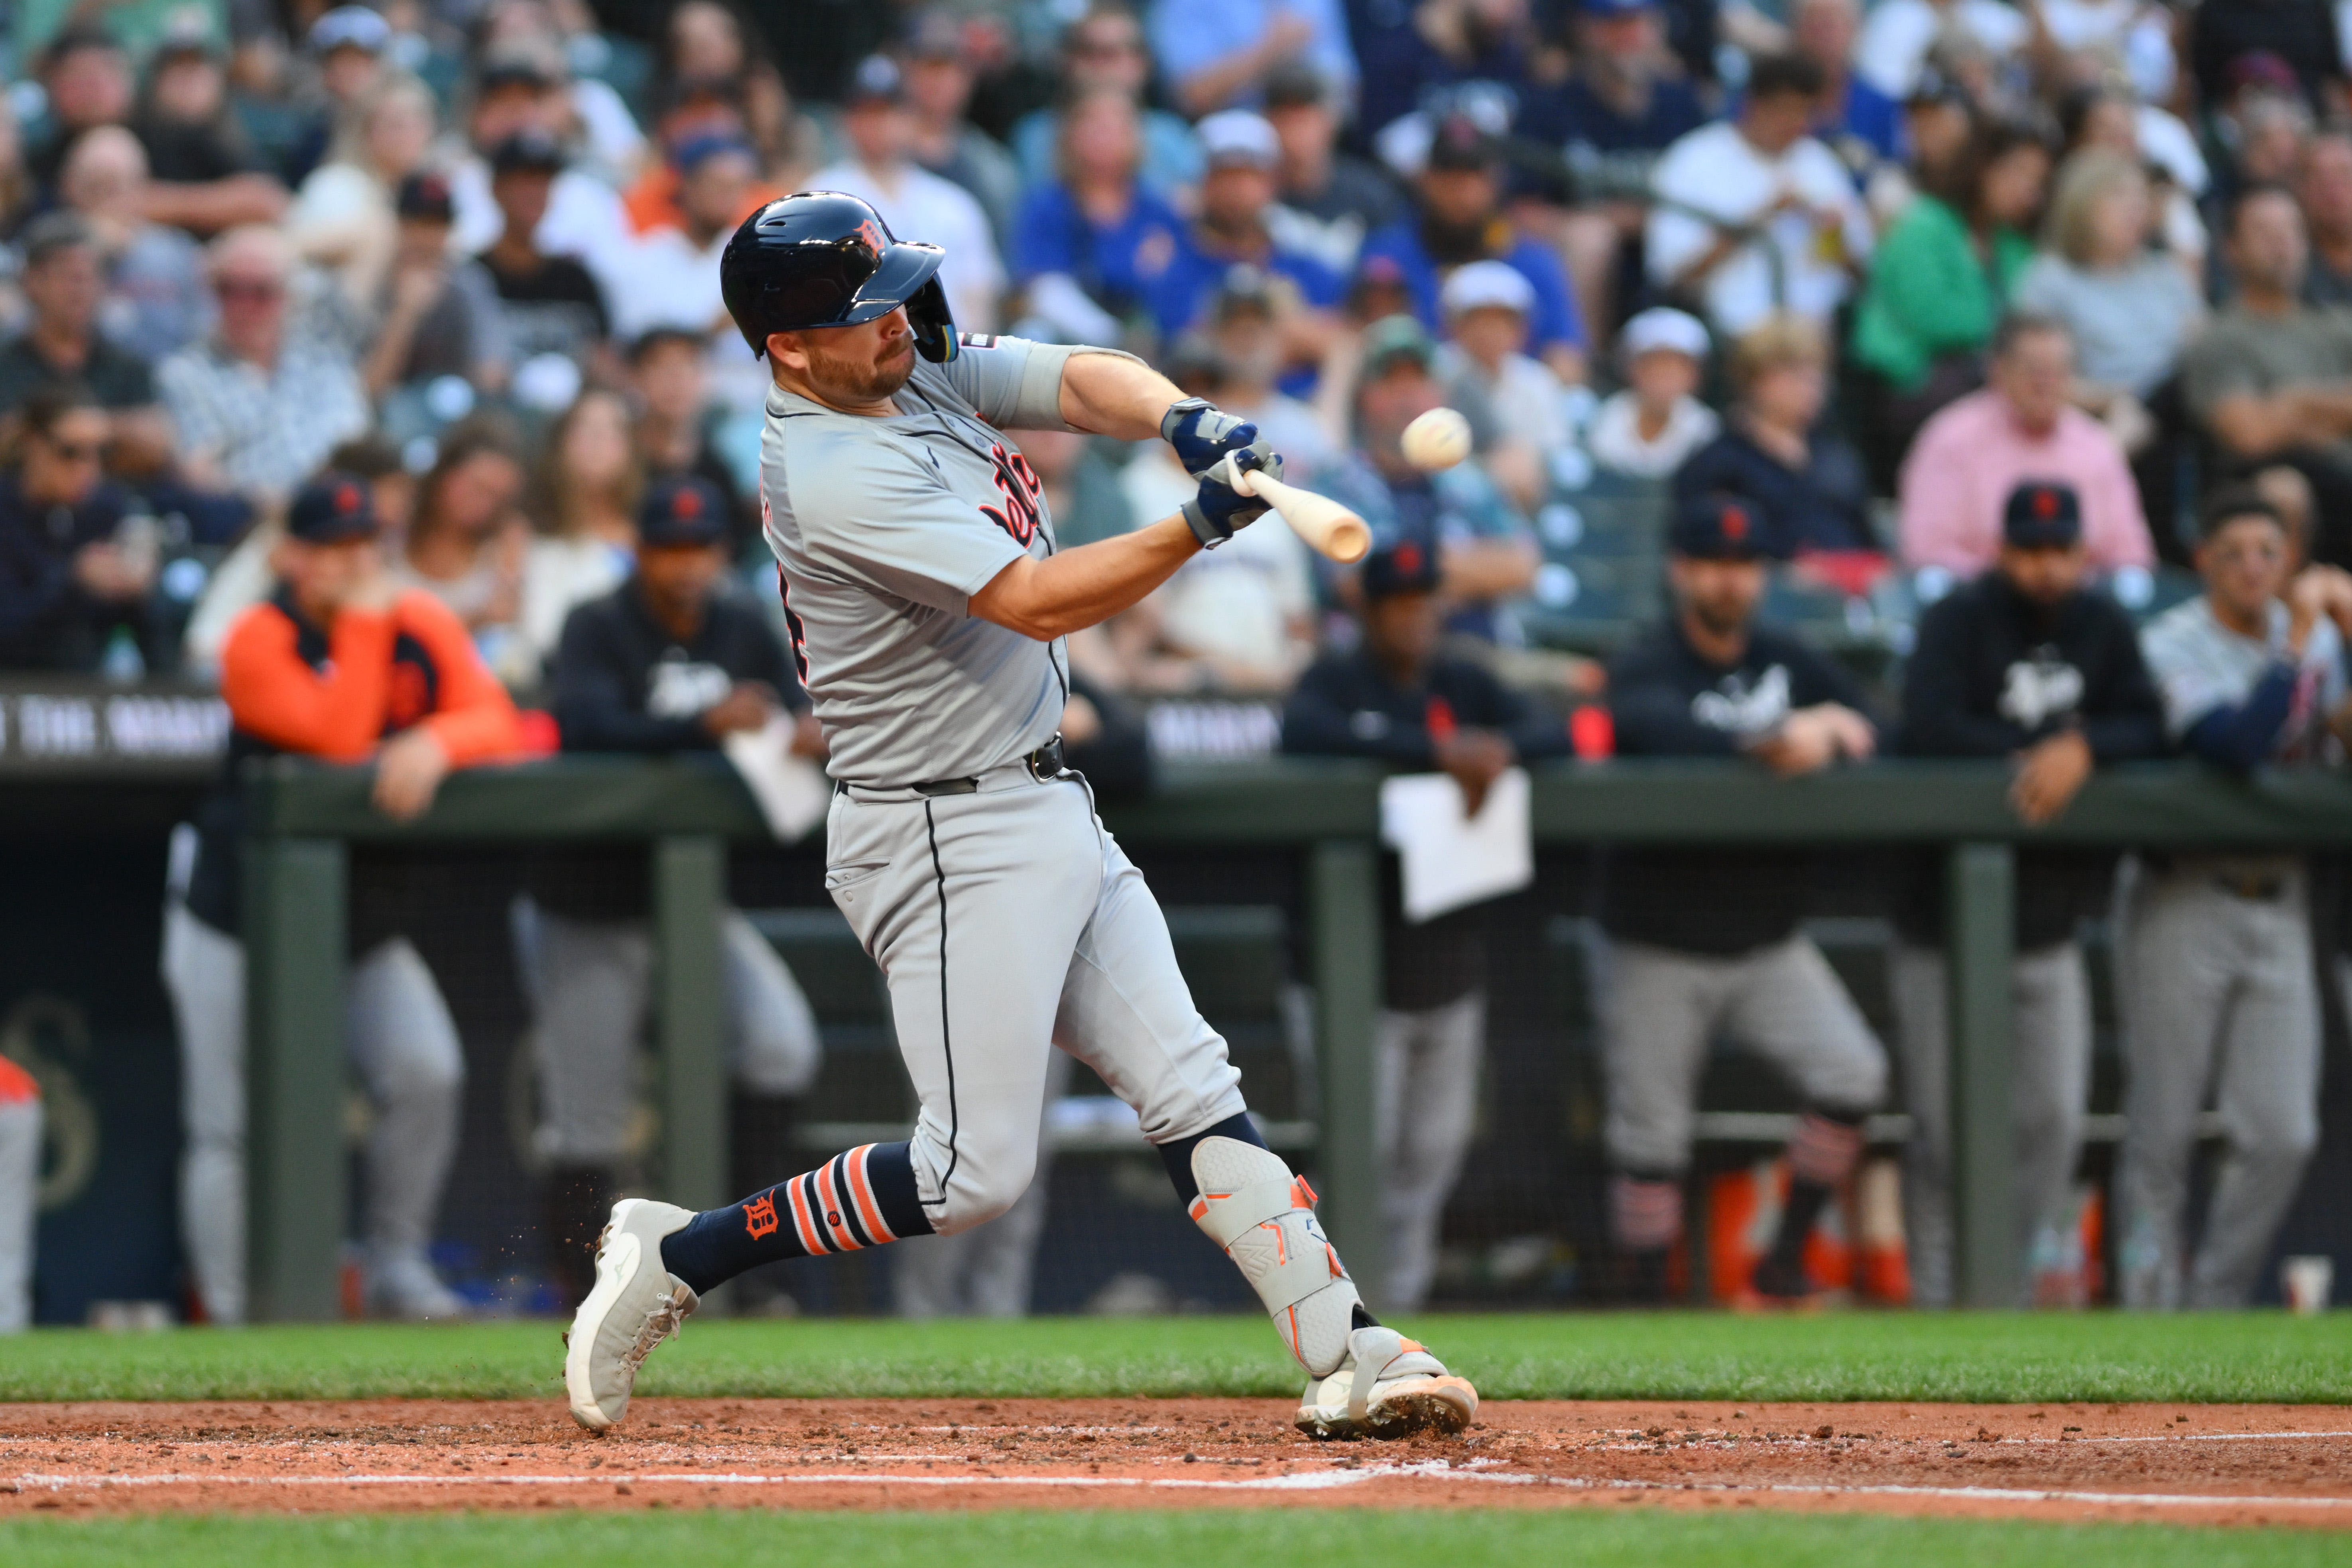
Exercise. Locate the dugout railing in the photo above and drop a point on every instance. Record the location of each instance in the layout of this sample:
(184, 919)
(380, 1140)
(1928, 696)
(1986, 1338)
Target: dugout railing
(302, 817)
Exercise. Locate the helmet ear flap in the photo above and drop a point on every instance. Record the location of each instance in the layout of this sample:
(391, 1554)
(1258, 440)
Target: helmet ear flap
(933, 323)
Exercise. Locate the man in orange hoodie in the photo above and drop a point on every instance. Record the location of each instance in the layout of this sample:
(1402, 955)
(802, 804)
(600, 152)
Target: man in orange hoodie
(336, 665)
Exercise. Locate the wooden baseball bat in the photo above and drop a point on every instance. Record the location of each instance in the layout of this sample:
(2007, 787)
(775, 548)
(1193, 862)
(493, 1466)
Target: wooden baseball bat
(1329, 528)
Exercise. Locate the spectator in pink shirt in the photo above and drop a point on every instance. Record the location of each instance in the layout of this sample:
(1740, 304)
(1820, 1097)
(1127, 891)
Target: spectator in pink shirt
(1976, 451)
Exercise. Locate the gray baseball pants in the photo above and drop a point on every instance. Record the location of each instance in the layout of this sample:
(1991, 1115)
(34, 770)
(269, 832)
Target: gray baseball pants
(2217, 993)
(1660, 1007)
(402, 1040)
(1427, 1096)
(20, 1191)
(1007, 922)
(589, 982)
(2050, 1001)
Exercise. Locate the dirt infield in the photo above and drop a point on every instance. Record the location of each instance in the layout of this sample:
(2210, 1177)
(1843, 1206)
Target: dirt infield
(2205, 1464)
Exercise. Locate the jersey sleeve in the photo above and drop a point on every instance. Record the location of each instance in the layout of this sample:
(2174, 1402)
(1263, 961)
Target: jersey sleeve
(1014, 384)
(884, 517)
(334, 712)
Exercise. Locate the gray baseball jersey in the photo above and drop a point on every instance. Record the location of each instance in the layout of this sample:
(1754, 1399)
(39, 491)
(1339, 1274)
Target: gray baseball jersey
(2200, 665)
(884, 529)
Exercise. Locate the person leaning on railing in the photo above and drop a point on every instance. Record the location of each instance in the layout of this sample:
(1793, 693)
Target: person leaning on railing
(2031, 664)
(670, 661)
(1397, 697)
(2216, 980)
(1703, 941)
(340, 665)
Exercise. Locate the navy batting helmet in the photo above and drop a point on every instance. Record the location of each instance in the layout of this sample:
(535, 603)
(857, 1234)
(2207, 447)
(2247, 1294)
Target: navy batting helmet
(821, 259)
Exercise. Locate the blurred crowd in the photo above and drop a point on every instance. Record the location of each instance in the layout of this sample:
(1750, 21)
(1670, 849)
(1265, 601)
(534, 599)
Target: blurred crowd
(1868, 312)
(1864, 266)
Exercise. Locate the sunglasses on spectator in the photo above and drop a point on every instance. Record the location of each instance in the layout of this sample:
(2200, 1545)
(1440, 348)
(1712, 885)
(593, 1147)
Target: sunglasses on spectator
(259, 291)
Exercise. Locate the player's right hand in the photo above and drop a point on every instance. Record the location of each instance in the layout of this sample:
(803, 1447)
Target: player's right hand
(1217, 511)
(1202, 433)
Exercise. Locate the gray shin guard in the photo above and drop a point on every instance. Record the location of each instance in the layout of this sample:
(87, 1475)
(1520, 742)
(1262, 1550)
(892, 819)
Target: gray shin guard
(1263, 1217)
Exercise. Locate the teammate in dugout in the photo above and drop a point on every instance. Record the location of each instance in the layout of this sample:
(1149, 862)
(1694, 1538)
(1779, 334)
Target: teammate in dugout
(337, 664)
(1703, 942)
(927, 605)
(670, 661)
(2031, 664)
(2216, 980)
(1396, 697)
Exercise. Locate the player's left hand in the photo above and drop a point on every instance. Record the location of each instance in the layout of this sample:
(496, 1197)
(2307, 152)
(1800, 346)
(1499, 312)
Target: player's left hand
(1217, 511)
(1202, 433)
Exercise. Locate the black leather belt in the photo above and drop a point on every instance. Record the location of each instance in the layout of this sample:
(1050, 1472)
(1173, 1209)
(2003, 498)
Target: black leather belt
(1045, 762)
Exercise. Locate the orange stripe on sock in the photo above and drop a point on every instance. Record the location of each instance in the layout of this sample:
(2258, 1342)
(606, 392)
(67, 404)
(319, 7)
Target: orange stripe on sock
(868, 1211)
(835, 1200)
(803, 1222)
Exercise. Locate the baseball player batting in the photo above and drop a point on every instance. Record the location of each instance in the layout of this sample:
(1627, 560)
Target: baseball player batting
(927, 604)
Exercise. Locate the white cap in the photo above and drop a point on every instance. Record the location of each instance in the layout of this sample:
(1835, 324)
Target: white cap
(1482, 284)
(1661, 328)
(1238, 136)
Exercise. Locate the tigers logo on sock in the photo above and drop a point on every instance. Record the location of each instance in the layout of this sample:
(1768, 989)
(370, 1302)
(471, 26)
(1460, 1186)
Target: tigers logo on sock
(759, 1216)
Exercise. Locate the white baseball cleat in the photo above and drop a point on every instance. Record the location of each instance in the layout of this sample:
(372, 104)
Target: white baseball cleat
(1388, 1386)
(637, 1304)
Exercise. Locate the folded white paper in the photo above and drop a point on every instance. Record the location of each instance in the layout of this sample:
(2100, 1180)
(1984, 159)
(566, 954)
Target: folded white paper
(1451, 858)
(793, 790)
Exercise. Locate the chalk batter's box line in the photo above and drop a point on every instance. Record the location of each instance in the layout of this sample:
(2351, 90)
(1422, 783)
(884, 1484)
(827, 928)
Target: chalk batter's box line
(1314, 1480)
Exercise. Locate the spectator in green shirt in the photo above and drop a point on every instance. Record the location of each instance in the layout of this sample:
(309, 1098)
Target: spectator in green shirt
(1940, 280)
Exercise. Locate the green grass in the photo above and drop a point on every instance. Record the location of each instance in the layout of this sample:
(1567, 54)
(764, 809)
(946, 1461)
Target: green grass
(1305, 1538)
(1960, 1356)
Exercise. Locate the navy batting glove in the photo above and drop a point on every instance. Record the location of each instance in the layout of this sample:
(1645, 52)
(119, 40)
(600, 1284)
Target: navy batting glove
(1202, 433)
(1218, 510)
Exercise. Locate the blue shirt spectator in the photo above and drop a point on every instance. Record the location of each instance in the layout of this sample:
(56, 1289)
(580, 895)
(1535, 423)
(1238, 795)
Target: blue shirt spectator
(1216, 53)
(1860, 122)
(1461, 220)
(1093, 248)
(1233, 229)
(1622, 107)
(1401, 65)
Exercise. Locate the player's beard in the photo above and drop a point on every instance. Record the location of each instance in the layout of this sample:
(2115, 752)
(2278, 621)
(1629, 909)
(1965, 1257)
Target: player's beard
(843, 380)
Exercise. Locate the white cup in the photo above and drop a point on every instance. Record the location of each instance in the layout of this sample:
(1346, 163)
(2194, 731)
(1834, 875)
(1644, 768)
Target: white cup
(2306, 1282)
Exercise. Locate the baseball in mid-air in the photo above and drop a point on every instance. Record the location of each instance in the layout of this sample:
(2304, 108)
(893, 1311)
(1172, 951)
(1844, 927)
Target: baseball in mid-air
(1437, 439)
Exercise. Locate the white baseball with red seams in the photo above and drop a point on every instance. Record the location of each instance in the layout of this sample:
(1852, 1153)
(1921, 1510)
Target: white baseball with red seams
(1437, 439)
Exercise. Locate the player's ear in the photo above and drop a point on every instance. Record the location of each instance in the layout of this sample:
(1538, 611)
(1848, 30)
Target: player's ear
(783, 347)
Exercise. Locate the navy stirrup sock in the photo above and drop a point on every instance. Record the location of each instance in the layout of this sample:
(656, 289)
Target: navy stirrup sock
(1178, 1154)
(862, 1198)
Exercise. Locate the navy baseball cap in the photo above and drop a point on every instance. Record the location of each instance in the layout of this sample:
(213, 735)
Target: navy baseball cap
(1407, 565)
(877, 80)
(333, 509)
(2041, 514)
(682, 514)
(1718, 527)
(1460, 143)
(700, 150)
(528, 151)
(426, 195)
